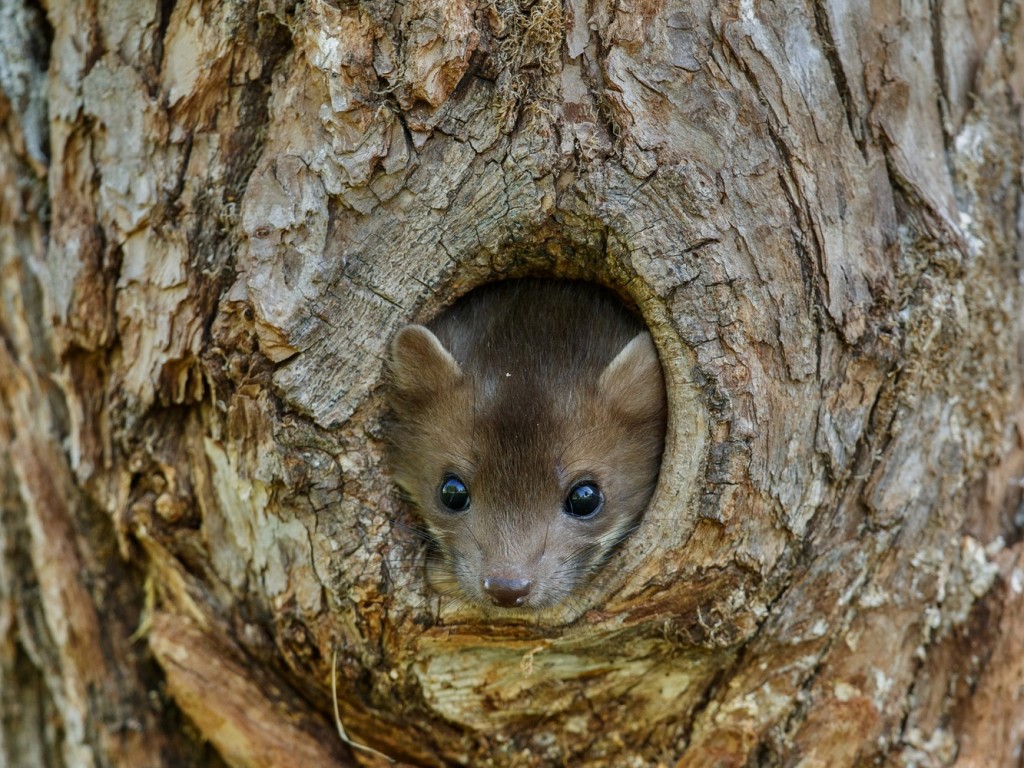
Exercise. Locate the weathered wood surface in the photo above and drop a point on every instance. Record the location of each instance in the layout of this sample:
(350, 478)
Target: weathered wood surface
(214, 216)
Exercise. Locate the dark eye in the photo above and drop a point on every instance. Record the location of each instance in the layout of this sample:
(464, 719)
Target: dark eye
(584, 500)
(454, 494)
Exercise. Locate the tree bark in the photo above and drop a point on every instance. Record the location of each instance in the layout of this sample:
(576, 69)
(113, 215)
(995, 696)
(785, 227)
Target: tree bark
(214, 216)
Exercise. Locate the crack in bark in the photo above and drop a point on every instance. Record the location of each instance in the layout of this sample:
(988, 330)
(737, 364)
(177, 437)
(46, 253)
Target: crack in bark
(165, 8)
(946, 127)
(831, 50)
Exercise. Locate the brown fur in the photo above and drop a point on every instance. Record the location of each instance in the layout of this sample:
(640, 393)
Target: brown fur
(523, 389)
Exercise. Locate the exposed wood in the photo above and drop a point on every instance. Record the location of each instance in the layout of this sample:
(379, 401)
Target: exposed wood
(240, 712)
(214, 217)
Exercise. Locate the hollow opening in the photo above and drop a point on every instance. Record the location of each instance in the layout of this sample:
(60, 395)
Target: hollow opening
(529, 427)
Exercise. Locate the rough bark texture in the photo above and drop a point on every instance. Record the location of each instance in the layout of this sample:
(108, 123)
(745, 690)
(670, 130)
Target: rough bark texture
(214, 216)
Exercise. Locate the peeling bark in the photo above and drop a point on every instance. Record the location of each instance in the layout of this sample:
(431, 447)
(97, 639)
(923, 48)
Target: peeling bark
(214, 216)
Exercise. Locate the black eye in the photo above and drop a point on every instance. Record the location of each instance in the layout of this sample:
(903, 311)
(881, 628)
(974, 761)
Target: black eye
(454, 494)
(584, 500)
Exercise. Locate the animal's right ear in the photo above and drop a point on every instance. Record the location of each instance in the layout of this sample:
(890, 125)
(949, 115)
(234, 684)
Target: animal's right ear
(420, 365)
(633, 383)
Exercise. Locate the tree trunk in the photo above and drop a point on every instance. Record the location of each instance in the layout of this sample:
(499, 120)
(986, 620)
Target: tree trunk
(214, 217)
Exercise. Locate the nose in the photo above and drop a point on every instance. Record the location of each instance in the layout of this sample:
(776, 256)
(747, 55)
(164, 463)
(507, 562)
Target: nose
(508, 593)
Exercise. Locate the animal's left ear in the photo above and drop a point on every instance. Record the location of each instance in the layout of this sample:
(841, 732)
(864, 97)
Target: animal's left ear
(633, 383)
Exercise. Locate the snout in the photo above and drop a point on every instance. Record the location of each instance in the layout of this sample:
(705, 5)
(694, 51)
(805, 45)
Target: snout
(507, 592)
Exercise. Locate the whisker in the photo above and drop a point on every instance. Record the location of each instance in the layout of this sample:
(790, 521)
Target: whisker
(469, 530)
(419, 531)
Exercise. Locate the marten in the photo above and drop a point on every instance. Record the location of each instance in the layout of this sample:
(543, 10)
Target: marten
(528, 428)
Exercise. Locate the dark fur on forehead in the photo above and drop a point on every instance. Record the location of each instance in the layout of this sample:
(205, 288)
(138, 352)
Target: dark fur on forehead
(577, 327)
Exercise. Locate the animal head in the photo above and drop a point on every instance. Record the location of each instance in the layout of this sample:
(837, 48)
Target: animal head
(525, 486)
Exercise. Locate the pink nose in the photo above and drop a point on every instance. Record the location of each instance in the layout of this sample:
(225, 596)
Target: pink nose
(507, 593)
